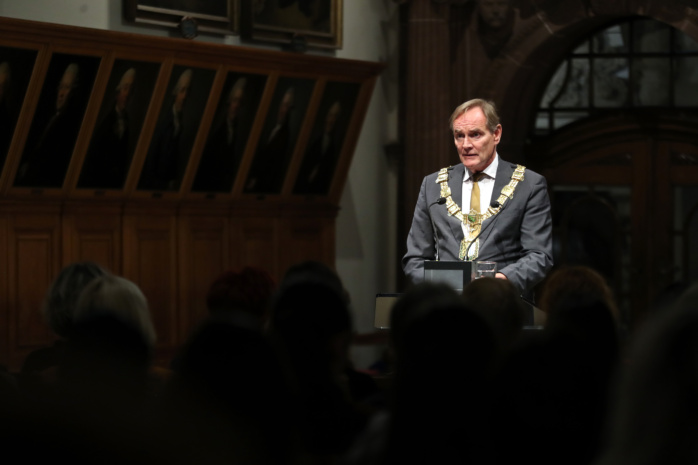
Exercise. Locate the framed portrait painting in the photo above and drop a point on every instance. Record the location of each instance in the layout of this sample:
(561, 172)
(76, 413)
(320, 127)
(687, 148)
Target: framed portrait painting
(190, 16)
(299, 24)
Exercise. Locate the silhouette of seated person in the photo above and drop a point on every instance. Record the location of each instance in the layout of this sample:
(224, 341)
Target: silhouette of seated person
(653, 417)
(557, 386)
(101, 403)
(311, 325)
(248, 290)
(362, 387)
(109, 354)
(444, 359)
(231, 395)
(498, 302)
(58, 310)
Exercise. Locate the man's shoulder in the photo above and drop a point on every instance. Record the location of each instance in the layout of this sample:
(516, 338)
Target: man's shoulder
(528, 173)
(452, 170)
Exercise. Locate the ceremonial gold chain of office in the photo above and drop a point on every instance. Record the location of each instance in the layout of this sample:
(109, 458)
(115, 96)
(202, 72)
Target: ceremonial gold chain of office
(472, 217)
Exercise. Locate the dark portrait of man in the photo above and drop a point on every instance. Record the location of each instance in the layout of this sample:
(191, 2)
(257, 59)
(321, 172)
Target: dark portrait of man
(53, 134)
(319, 164)
(160, 170)
(108, 158)
(16, 66)
(223, 151)
(114, 138)
(316, 171)
(226, 142)
(178, 124)
(483, 208)
(268, 168)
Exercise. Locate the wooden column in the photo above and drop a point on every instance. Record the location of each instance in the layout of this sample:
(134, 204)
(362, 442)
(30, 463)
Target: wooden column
(426, 101)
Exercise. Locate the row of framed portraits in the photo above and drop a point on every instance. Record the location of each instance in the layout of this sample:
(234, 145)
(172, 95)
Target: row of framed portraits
(312, 23)
(209, 121)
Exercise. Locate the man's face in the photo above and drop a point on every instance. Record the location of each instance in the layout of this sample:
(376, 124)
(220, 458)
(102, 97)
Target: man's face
(181, 93)
(476, 145)
(284, 108)
(331, 118)
(234, 103)
(493, 12)
(65, 87)
(124, 93)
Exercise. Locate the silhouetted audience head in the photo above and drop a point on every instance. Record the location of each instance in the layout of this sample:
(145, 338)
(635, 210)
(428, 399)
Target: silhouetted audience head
(417, 301)
(444, 361)
(311, 325)
(312, 321)
(248, 290)
(314, 271)
(576, 284)
(231, 378)
(61, 298)
(119, 299)
(498, 302)
(655, 417)
(109, 353)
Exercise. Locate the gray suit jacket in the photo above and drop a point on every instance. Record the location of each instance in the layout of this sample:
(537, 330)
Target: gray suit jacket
(518, 238)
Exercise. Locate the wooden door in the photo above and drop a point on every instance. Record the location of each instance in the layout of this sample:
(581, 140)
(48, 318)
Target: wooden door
(626, 204)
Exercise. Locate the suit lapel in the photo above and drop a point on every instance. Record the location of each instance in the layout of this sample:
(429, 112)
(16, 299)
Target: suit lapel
(504, 172)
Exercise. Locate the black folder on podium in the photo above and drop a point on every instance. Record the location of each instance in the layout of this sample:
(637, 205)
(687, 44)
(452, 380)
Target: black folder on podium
(453, 273)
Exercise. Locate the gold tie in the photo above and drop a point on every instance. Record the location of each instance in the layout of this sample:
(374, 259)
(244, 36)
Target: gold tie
(474, 220)
(475, 196)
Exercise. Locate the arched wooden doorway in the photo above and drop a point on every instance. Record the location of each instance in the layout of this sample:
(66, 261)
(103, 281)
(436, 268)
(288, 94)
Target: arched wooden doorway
(624, 191)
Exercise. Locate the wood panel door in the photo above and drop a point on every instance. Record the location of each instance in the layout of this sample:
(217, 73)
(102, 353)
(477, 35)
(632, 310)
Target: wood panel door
(624, 203)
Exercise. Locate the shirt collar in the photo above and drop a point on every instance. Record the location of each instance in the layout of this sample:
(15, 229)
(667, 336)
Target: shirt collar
(490, 171)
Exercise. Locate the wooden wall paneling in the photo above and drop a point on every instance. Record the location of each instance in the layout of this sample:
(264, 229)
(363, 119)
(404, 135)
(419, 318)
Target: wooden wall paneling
(93, 233)
(306, 239)
(257, 243)
(171, 243)
(150, 260)
(34, 261)
(204, 253)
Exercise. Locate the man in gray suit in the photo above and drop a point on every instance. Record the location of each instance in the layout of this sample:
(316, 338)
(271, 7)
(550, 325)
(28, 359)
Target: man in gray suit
(511, 222)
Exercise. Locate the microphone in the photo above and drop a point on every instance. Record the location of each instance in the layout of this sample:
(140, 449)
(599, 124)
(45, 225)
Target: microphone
(494, 204)
(439, 201)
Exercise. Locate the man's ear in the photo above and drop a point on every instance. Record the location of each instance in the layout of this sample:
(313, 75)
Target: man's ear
(498, 134)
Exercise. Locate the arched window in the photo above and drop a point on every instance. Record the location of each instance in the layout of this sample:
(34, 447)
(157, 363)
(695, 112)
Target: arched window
(634, 64)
